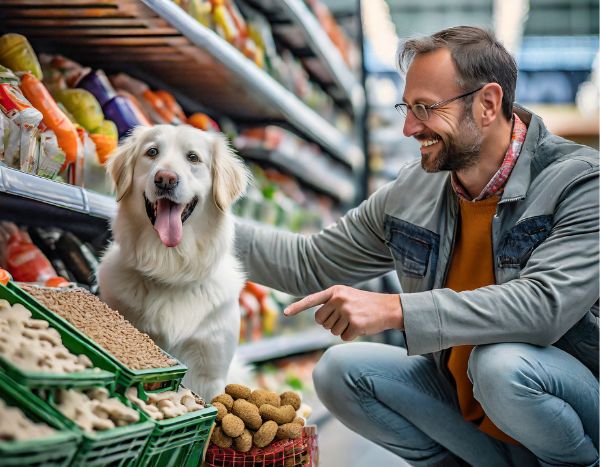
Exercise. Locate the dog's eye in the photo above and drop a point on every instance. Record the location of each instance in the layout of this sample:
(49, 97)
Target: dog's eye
(193, 157)
(152, 152)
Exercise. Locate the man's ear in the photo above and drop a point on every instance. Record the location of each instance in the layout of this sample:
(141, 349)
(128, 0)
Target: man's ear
(120, 165)
(490, 98)
(229, 174)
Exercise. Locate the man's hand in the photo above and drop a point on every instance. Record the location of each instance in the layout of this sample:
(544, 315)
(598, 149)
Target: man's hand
(350, 313)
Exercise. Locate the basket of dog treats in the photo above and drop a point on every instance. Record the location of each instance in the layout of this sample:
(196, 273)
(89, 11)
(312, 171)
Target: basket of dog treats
(112, 430)
(260, 428)
(131, 354)
(36, 351)
(182, 423)
(30, 435)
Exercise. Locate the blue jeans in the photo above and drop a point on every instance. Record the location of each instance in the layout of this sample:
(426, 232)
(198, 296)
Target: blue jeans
(540, 396)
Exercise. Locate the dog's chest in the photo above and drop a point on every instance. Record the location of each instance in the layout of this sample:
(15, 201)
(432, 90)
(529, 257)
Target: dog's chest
(173, 314)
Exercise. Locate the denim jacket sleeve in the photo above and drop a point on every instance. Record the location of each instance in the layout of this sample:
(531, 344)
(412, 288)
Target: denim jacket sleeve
(556, 286)
(351, 250)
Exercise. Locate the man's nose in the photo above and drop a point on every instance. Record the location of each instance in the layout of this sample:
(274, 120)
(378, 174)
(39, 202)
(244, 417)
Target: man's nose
(166, 179)
(412, 125)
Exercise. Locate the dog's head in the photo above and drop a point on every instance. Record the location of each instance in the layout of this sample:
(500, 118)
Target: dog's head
(173, 172)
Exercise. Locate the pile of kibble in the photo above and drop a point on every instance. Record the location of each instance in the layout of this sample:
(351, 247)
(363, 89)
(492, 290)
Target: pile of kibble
(105, 326)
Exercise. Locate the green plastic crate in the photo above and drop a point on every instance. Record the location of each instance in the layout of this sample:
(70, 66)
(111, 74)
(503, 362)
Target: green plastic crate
(56, 450)
(175, 441)
(169, 377)
(119, 446)
(36, 379)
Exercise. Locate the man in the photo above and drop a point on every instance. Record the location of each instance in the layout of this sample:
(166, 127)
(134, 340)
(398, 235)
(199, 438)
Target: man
(494, 237)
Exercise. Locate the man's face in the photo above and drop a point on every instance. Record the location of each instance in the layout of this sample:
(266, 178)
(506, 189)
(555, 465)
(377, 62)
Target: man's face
(450, 139)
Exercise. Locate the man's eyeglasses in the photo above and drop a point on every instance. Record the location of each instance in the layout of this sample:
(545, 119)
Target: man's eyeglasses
(421, 111)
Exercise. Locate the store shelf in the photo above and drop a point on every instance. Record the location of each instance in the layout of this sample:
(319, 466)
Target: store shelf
(157, 39)
(315, 174)
(42, 190)
(284, 345)
(297, 27)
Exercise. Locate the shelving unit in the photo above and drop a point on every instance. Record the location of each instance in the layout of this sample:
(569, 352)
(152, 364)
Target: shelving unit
(296, 27)
(157, 39)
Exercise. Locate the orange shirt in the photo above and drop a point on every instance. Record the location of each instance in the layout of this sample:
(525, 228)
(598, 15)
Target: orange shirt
(472, 267)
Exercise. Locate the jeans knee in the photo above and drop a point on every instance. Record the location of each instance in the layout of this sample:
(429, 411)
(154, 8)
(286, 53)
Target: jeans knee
(331, 370)
(499, 371)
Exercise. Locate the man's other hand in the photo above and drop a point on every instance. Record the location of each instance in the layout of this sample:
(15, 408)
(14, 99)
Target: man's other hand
(350, 313)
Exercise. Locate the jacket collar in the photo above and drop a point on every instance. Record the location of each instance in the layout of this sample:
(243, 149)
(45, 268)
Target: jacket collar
(517, 185)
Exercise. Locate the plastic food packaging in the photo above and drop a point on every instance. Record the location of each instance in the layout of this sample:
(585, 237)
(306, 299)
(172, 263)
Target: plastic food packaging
(77, 257)
(54, 118)
(17, 54)
(120, 110)
(25, 261)
(45, 240)
(51, 156)
(21, 145)
(98, 84)
(83, 106)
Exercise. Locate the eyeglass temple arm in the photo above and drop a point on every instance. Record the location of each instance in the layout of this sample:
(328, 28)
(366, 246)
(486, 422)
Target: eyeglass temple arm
(447, 101)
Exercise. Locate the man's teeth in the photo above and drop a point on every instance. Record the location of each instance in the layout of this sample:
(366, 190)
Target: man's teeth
(429, 142)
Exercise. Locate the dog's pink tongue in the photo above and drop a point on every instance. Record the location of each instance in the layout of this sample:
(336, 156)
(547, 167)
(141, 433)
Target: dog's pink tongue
(168, 222)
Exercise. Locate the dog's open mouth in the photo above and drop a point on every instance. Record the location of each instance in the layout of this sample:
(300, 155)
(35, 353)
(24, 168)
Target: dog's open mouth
(168, 217)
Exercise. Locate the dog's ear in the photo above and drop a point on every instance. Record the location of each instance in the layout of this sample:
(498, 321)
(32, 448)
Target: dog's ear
(229, 174)
(120, 164)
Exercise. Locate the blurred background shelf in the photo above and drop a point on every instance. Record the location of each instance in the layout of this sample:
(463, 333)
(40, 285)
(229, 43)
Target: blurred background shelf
(156, 40)
(270, 348)
(296, 27)
(314, 174)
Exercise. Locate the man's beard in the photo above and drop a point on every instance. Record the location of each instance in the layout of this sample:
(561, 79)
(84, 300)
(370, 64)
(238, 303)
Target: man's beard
(457, 154)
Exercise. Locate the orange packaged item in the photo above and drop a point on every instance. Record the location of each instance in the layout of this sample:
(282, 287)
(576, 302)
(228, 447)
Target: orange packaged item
(202, 122)
(171, 104)
(161, 110)
(5, 276)
(25, 261)
(21, 134)
(54, 118)
(56, 281)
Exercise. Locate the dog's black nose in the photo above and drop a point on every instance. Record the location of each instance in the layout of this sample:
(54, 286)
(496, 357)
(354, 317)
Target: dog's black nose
(166, 180)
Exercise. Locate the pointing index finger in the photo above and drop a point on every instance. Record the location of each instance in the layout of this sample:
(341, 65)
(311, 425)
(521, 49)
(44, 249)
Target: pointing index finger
(308, 302)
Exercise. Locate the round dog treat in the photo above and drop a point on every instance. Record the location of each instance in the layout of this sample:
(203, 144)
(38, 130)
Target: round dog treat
(238, 391)
(243, 443)
(299, 421)
(221, 410)
(289, 431)
(290, 398)
(248, 413)
(281, 415)
(232, 426)
(221, 439)
(265, 434)
(224, 399)
(262, 396)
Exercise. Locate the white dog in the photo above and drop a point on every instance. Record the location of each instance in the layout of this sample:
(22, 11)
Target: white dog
(170, 270)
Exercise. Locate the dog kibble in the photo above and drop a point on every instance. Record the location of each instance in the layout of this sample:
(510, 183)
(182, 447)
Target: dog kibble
(104, 325)
(238, 391)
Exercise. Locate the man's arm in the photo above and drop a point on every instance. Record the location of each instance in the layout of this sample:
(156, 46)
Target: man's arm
(351, 250)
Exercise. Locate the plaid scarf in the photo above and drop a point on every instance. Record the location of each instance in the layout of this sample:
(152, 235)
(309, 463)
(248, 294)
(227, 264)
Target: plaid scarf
(496, 185)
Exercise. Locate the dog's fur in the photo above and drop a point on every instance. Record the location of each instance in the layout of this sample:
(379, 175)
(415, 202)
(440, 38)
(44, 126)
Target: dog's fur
(185, 297)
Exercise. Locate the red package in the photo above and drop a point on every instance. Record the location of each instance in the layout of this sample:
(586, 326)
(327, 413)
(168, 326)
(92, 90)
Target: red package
(25, 261)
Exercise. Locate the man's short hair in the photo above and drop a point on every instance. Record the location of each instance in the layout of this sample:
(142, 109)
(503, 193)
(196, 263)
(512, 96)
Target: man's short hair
(478, 56)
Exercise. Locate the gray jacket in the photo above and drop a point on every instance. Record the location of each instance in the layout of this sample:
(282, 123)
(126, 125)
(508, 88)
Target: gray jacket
(545, 244)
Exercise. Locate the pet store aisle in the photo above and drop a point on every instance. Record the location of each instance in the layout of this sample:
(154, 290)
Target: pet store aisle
(341, 447)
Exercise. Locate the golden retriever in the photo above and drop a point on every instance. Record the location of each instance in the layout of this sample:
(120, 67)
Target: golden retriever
(170, 270)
